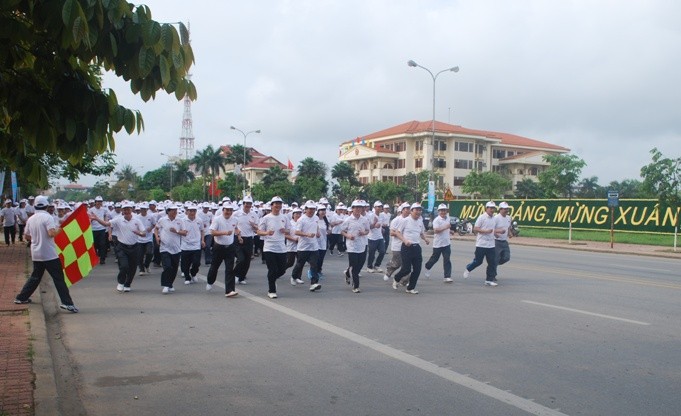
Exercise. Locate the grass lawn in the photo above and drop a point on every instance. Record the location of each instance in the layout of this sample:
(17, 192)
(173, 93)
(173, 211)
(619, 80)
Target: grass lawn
(620, 236)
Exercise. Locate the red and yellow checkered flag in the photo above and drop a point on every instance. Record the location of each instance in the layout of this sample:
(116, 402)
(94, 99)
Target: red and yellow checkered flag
(76, 247)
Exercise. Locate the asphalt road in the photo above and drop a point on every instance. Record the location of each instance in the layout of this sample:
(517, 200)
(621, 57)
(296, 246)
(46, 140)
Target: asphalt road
(564, 333)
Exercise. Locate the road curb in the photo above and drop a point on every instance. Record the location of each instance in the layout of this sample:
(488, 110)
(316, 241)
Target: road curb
(45, 392)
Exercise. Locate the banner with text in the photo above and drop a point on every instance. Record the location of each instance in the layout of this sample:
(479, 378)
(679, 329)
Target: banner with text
(642, 215)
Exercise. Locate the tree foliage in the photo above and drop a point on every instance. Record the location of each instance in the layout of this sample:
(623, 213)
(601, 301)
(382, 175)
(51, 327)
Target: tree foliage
(663, 177)
(589, 188)
(528, 189)
(231, 185)
(386, 192)
(489, 185)
(236, 155)
(51, 98)
(631, 188)
(343, 171)
(560, 178)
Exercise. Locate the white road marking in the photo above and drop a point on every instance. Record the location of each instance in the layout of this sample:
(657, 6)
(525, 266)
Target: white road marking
(600, 315)
(449, 375)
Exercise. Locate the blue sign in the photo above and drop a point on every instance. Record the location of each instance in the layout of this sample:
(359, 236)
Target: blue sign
(613, 199)
(431, 196)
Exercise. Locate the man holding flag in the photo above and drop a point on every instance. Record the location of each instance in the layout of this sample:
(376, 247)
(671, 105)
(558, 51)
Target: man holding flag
(40, 231)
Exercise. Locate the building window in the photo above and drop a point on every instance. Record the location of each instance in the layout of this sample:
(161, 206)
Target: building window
(364, 166)
(463, 164)
(387, 179)
(387, 146)
(498, 154)
(458, 180)
(363, 180)
(534, 171)
(479, 149)
(375, 166)
(400, 146)
(479, 165)
(400, 164)
(418, 163)
(521, 172)
(388, 166)
(440, 146)
(496, 168)
(440, 163)
(510, 153)
(419, 145)
(463, 147)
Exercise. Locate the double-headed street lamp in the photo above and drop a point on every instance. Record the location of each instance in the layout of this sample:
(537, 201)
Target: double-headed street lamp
(432, 140)
(244, 160)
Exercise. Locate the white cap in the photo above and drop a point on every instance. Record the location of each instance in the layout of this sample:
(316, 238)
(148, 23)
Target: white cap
(41, 201)
(490, 204)
(144, 205)
(357, 203)
(267, 207)
(310, 204)
(296, 210)
(386, 206)
(503, 205)
(191, 206)
(8, 201)
(98, 198)
(404, 205)
(416, 205)
(442, 206)
(276, 199)
(323, 201)
(127, 204)
(227, 205)
(321, 207)
(152, 202)
(378, 204)
(248, 198)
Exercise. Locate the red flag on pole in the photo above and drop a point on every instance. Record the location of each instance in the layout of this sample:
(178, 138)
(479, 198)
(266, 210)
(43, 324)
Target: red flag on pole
(76, 247)
(213, 190)
(290, 164)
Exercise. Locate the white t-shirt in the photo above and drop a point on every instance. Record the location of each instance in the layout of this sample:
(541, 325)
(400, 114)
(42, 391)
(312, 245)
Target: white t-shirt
(123, 229)
(148, 222)
(43, 247)
(441, 239)
(502, 222)
(308, 225)
(292, 246)
(412, 229)
(194, 228)
(9, 216)
(396, 243)
(353, 226)
(220, 223)
(322, 240)
(275, 243)
(247, 222)
(170, 241)
(375, 233)
(103, 214)
(485, 222)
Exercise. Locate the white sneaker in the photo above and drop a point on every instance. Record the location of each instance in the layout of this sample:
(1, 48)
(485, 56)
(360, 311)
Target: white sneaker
(165, 290)
(243, 282)
(195, 279)
(126, 289)
(293, 282)
(378, 270)
(208, 287)
(448, 280)
(300, 281)
(315, 286)
(187, 282)
(356, 290)
(490, 283)
(272, 295)
(412, 292)
(171, 289)
(427, 274)
(119, 287)
(143, 273)
(231, 294)
(370, 270)
(395, 284)
(386, 277)
(466, 274)
(148, 272)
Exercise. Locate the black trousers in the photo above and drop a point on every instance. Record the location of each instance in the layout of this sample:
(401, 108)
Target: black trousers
(488, 254)
(146, 253)
(244, 252)
(208, 249)
(10, 234)
(100, 242)
(156, 259)
(446, 253)
(356, 262)
(303, 257)
(190, 260)
(276, 267)
(21, 231)
(170, 262)
(55, 270)
(411, 263)
(386, 237)
(374, 246)
(128, 259)
(290, 258)
(223, 254)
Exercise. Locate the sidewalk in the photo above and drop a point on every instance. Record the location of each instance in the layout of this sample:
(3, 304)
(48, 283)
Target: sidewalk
(16, 372)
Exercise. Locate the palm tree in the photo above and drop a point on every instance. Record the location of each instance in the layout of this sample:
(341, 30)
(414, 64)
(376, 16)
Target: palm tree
(237, 153)
(209, 160)
(128, 174)
(182, 172)
(200, 161)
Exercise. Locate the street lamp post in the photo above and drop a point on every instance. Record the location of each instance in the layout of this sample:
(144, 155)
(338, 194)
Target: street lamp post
(245, 134)
(411, 63)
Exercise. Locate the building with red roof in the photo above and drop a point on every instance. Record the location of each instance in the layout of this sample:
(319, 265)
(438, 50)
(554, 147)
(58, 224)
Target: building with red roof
(256, 169)
(389, 154)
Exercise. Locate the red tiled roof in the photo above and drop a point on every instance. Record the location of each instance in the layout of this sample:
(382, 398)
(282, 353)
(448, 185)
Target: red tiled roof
(414, 127)
(227, 149)
(265, 162)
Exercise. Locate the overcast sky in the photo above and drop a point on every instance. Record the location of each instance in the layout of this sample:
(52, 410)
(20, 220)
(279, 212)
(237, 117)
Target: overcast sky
(599, 77)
